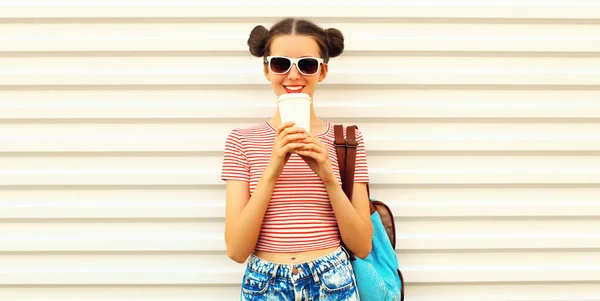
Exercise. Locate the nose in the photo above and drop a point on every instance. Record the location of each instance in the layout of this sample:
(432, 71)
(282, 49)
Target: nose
(294, 73)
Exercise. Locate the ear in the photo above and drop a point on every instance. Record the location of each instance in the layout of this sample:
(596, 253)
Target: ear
(266, 71)
(323, 74)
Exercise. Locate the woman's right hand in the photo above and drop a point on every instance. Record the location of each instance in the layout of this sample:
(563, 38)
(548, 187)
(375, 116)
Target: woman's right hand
(285, 143)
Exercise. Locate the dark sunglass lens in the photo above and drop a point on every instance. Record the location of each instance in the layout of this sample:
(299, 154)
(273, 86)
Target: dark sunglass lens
(280, 64)
(308, 66)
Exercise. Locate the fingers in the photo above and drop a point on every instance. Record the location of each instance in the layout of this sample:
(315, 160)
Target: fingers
(312, 139)
(290, 135)
(314, 144)
(290, 143)
(284, 126)
(309, 153)
(288, 128)
(292, 147)
(297, 140)
(292, 130)
(314, 148)
(293, 137)
(287, 134)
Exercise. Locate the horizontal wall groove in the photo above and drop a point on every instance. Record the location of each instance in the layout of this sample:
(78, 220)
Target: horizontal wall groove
(489, 185)
(325, 86)
(499, 218)
(94, 154)
(72, 187)
(434, 283)
(357, 53)
(108, 286)
(407, 271)
(131, 87)
(462, 153)
(257, 19)
(114, 253)
(492, 250)
(384, 153)
(175, 220)
(236, 285)
(116, 220)
(223, 252)
(144, 120)
(112, 187)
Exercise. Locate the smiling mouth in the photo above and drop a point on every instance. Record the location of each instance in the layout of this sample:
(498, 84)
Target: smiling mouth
(293, 89)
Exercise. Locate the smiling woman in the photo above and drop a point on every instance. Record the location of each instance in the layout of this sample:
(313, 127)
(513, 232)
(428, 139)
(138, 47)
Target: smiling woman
(286, 211)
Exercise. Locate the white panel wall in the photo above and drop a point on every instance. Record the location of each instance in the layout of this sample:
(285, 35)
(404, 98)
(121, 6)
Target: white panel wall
(482, 120)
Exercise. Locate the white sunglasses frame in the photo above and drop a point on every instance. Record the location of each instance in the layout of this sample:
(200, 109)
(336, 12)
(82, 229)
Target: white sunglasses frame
(294, 62)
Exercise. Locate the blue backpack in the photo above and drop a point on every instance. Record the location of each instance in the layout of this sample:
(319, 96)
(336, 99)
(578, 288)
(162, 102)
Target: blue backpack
(378, 276)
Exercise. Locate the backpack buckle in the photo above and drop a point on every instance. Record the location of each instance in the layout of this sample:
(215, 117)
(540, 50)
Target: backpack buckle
(351, 143)
(340, 142)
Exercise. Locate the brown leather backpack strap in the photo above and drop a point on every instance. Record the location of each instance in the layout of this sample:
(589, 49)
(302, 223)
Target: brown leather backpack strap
(351, 144)
(340, 148)
(346, 154)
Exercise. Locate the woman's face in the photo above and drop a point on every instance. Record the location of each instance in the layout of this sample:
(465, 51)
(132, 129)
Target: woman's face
(295, 46)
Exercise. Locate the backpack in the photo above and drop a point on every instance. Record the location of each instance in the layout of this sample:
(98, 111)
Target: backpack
(378, 276)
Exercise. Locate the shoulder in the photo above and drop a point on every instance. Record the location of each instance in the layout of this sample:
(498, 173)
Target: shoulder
(258, 130)
(358, 135)
(332, 128)
(357, 132)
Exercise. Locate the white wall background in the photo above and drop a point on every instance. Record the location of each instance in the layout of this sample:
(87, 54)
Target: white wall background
(482, 122)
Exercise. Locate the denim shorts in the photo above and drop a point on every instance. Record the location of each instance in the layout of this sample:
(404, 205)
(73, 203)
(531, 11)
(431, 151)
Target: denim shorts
(326, 278)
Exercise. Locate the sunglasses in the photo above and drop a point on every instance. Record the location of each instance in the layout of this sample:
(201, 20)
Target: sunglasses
(306, 65)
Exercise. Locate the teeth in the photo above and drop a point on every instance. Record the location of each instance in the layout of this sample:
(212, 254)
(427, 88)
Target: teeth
(293, 88)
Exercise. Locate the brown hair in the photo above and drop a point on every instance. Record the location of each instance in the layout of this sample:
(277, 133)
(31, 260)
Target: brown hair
(330, 41)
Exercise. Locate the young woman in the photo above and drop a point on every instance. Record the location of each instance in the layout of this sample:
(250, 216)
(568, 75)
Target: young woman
(286, 212)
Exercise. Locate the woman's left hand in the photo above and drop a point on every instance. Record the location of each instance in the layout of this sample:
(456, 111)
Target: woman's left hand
(315, 154)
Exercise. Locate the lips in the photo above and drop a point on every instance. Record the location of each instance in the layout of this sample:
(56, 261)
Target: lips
(293, 89)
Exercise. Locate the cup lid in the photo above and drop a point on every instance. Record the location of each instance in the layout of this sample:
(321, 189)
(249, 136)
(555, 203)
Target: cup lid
(293, 95)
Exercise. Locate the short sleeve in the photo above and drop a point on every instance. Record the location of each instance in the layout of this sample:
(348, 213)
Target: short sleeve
(361, 174)
(235, 162)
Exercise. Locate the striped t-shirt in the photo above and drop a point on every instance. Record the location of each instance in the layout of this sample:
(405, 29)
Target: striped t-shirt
(299, 216)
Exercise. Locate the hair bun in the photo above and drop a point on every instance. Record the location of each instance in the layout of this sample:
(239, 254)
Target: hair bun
(258, 40)
(335, 41)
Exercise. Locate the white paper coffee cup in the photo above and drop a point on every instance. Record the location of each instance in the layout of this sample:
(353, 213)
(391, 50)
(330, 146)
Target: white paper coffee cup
(295, 107)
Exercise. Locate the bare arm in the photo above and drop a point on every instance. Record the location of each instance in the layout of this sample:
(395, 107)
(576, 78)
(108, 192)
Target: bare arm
(244, 215)
(354, 218)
